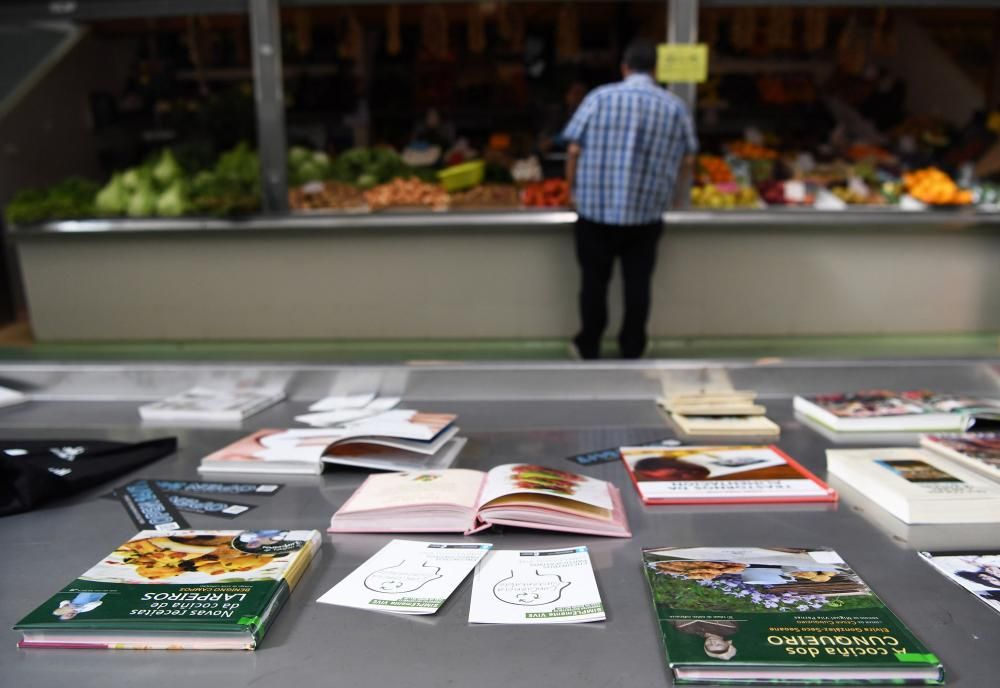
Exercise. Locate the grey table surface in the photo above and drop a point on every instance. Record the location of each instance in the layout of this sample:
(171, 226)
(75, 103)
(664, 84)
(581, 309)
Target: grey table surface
(510, 413)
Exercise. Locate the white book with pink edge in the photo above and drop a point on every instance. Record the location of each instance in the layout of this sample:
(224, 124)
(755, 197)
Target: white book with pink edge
(461, 500)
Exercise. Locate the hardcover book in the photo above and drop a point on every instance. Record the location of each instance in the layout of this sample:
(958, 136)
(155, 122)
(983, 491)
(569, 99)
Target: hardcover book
(735, 403)
(917, 486)
(721, 475)
(463, 500)
(979, 451)
(725, 425)
(882, 410)
(404, 440)
(752, 615)
(189, 589)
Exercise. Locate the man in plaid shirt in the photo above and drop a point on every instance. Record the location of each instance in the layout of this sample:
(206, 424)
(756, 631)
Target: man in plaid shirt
(629, 142)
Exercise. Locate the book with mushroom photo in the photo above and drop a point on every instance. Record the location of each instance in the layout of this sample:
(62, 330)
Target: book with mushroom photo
(755, 615)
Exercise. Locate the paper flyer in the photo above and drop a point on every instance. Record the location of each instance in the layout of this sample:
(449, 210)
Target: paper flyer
(536, 587)
(407, 577)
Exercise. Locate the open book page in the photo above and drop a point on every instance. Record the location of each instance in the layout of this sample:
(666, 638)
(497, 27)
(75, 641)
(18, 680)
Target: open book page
(519, 483)
(453, 487)
(254, 449)
(412, 430)
(403, 423)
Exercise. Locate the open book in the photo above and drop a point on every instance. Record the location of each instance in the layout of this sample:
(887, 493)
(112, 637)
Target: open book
(407, 440)
(462, 500)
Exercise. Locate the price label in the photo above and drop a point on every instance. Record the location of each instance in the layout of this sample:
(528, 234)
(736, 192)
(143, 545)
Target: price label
(682, 62)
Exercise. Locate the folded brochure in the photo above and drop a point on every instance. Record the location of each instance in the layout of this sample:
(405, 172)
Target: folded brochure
(407, 577)
(535, 587)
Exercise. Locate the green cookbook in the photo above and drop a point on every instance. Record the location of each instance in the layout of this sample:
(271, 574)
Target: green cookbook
(186, 589)
(746, 615)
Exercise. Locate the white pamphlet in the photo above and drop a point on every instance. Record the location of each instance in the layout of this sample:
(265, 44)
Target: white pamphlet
(342, 401)
(536, 586)
(407, 577)
(337, 416)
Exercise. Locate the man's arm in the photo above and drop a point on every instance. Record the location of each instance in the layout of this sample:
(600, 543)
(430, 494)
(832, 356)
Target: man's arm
(572, 157)
(682, 185)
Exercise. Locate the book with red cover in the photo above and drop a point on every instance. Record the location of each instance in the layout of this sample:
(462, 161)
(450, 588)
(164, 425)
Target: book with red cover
(721, 475)
(460, 500)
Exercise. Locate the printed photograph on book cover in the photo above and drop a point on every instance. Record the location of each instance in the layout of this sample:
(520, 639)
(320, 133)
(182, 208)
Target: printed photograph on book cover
(984, 448)
(718, 463)
(918, 471)
(752, 580)
(873, 403)
(189, 557)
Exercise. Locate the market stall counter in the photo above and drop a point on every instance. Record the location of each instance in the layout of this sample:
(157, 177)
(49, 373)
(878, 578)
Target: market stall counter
(539, 413)
(504, 274)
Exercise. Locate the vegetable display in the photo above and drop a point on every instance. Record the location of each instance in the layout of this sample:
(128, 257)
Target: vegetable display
(368, 167)
(551, 193)
(407, 193)
(70, 199)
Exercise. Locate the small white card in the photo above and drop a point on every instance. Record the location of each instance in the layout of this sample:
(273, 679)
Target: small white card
(407, 577)
(346, 414)
(342, 401)
(536, 587)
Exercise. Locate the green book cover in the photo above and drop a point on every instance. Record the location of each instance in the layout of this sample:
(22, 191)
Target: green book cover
(745, 615)
(188, 589)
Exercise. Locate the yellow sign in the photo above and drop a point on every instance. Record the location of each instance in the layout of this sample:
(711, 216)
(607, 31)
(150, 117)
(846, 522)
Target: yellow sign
(682, 62)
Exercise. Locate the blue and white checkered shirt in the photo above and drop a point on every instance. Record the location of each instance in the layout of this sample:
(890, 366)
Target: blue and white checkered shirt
(633, 135)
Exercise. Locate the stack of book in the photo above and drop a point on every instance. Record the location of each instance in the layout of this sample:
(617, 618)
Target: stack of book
(718, 414)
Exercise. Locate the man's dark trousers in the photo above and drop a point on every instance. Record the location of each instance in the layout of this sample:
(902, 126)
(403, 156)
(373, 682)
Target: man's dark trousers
(597, 246)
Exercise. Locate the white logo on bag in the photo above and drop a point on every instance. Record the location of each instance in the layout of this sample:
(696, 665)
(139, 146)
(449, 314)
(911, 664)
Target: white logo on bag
(67, 453)
(61, 471)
